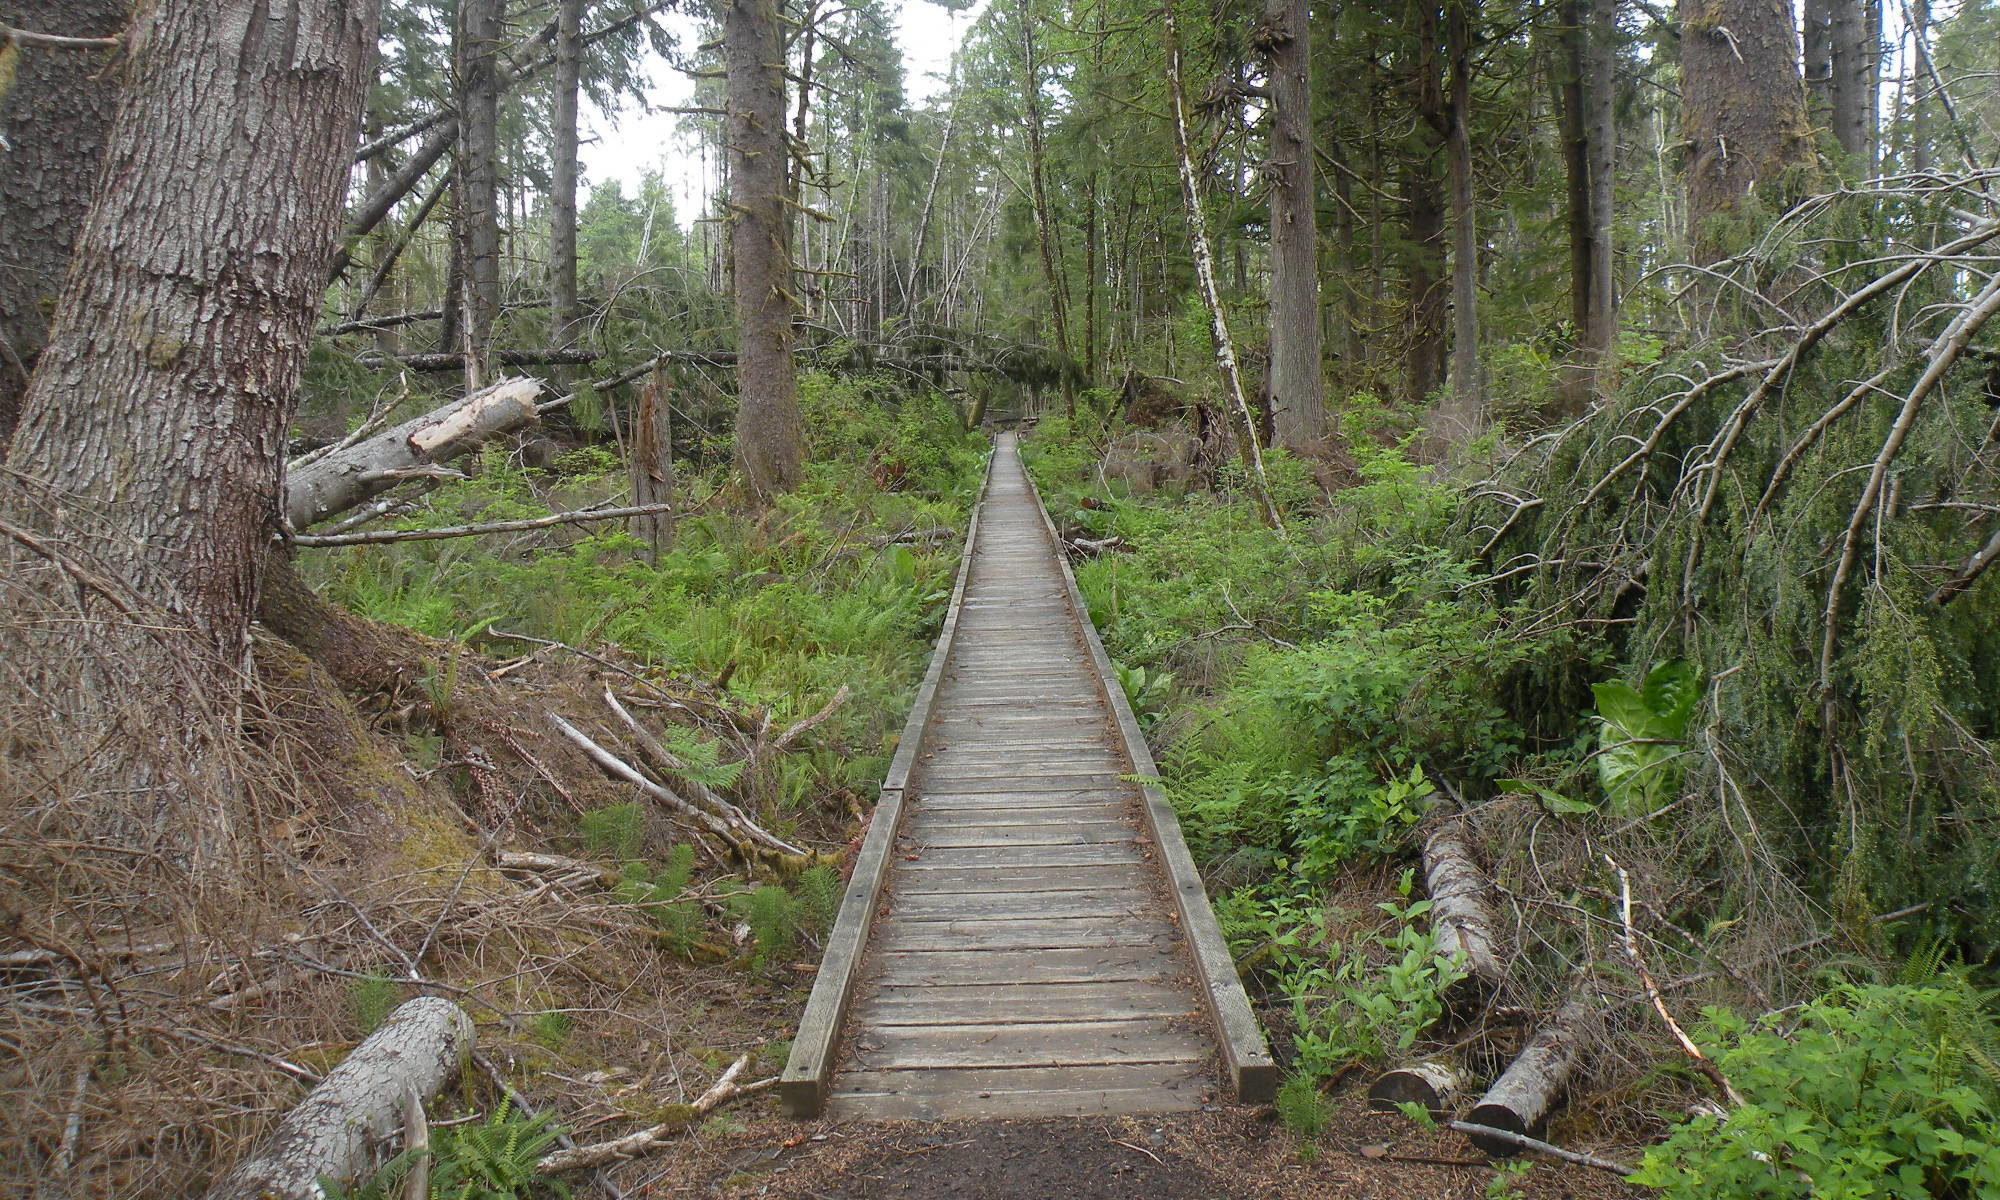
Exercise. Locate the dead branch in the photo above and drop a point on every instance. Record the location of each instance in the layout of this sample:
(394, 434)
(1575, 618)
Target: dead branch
(717, 816)
(1629, 939)
(1521, 1141)
(1981, 559)
(785, 739)
(632, 1145)
(577, 517)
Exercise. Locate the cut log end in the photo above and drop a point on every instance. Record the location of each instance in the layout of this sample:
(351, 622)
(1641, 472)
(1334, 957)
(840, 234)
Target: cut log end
(1497, 1116)
(1434, 1085)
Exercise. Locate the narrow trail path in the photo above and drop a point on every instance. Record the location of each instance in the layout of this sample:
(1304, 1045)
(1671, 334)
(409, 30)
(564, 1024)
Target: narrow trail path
(1032, 939)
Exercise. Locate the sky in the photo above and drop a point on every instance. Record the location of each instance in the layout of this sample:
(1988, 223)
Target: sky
(625, 143)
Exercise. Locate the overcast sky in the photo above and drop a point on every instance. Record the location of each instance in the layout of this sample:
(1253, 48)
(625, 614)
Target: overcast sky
(625, 144)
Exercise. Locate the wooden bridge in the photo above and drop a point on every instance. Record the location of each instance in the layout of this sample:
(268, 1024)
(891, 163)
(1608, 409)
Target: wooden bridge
(1024, 933)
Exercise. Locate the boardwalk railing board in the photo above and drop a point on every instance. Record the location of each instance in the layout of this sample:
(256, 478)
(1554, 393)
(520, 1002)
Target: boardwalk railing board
(816, 1045)
(1253, 1076)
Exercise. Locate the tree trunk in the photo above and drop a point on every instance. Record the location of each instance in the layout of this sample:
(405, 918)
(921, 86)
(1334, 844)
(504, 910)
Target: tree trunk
(1743, 110)
(1816, 30)
(769, 435)
(1424, 217)
(334, 1131)
(1574, 109)
(1461, 919)
(1045, 228)
(1853, 82)
(1298, 405)
(1435, 1085)
(54, 116)
(564, 314)
(652, 464)
(1462, 414)
(340, 480)
(1521, 1098)
(476, 54)
(1204, 271)
(151, 432)
(1601, 131)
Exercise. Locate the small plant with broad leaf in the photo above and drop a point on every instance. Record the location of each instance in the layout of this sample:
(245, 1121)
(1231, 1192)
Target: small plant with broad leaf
(1641, 735)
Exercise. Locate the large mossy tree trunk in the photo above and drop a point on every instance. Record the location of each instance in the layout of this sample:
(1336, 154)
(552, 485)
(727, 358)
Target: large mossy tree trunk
(1744, 110)
(1298, 405)
(54, 115)
(770, 438)
(152, 432)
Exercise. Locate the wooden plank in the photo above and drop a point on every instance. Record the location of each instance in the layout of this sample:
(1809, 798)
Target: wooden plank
(1253, 1074)
(1026, 780)
(996, 906)
(1024, 933)
(1028, 1044)
(992, 967)
(947, 858)
(810, 1066)
(963, 1005)
(973, 799)
(1179, 1094)
(1052, 833)
(1040, 880)
(1110, 808)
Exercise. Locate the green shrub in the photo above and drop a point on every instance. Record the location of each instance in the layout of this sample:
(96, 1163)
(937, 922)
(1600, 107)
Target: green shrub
(1878, 1090)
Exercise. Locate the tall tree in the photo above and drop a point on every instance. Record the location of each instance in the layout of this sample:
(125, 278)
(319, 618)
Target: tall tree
(769, 434)
(1855, 64)
(563, 311)
(1424, 210)
(1298, 406)
(53, 117)
(1462, 414)
(1046, 236)
(1743, 108)
(152, 432)
(476, 61)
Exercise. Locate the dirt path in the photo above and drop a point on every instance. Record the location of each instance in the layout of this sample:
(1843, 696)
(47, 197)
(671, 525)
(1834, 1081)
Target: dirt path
(1222, 1153)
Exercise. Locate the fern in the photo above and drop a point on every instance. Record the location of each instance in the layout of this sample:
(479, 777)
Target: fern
(819, 899)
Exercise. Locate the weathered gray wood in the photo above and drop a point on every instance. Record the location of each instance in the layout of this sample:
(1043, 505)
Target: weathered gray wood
(810, 1066)
(1015, 905)
(1461, 919)
(1021, 1092)
(1521, 1098)
(332, 1133)
(1435, 1085)
(977, 1003)
(1038, 880)
(1253, 1074)
(1040, 833)
(1030, 966)
(1027, 1044)
(946, 858)
(1022, 933)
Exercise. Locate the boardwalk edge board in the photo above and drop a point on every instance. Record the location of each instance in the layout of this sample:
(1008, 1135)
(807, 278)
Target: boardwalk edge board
(809, 1071)
(1253, 1076)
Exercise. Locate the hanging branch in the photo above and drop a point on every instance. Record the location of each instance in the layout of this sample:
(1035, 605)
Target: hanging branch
(1204, 269)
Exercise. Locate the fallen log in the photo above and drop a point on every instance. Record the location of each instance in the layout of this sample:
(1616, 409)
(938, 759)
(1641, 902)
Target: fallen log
(553, 357)
(1523, 1095)
(332, 1133)
(1461, 920)
(1435, 1085)
(345, 478)
(582, 516)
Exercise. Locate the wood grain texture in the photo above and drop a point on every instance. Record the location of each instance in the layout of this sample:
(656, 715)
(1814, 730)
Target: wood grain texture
(1027, 956)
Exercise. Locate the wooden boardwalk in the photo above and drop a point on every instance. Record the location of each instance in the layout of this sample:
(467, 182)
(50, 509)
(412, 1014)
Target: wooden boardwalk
(1024, 947)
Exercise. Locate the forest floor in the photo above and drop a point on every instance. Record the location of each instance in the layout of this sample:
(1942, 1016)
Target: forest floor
(1221, 1153)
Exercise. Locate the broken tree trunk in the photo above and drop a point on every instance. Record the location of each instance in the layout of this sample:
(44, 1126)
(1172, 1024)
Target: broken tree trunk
(1435, 1085)
(652, 465)
(333, 1131)
(1522, 1096)
(1461, 920)
(347, 477)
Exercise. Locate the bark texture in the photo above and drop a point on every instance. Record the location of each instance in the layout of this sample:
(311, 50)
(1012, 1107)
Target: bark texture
(769, 434)
(652, 464)
(564, 312)
(142, 483)
(1047, 240)
(333, 1132)
(1435, 1085)
(54, 117)
(1462, 414)
(1521, 1098)
(476, 72)
(1461, 918)
(162, 400)
(1744, 109)
(1298, 405)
